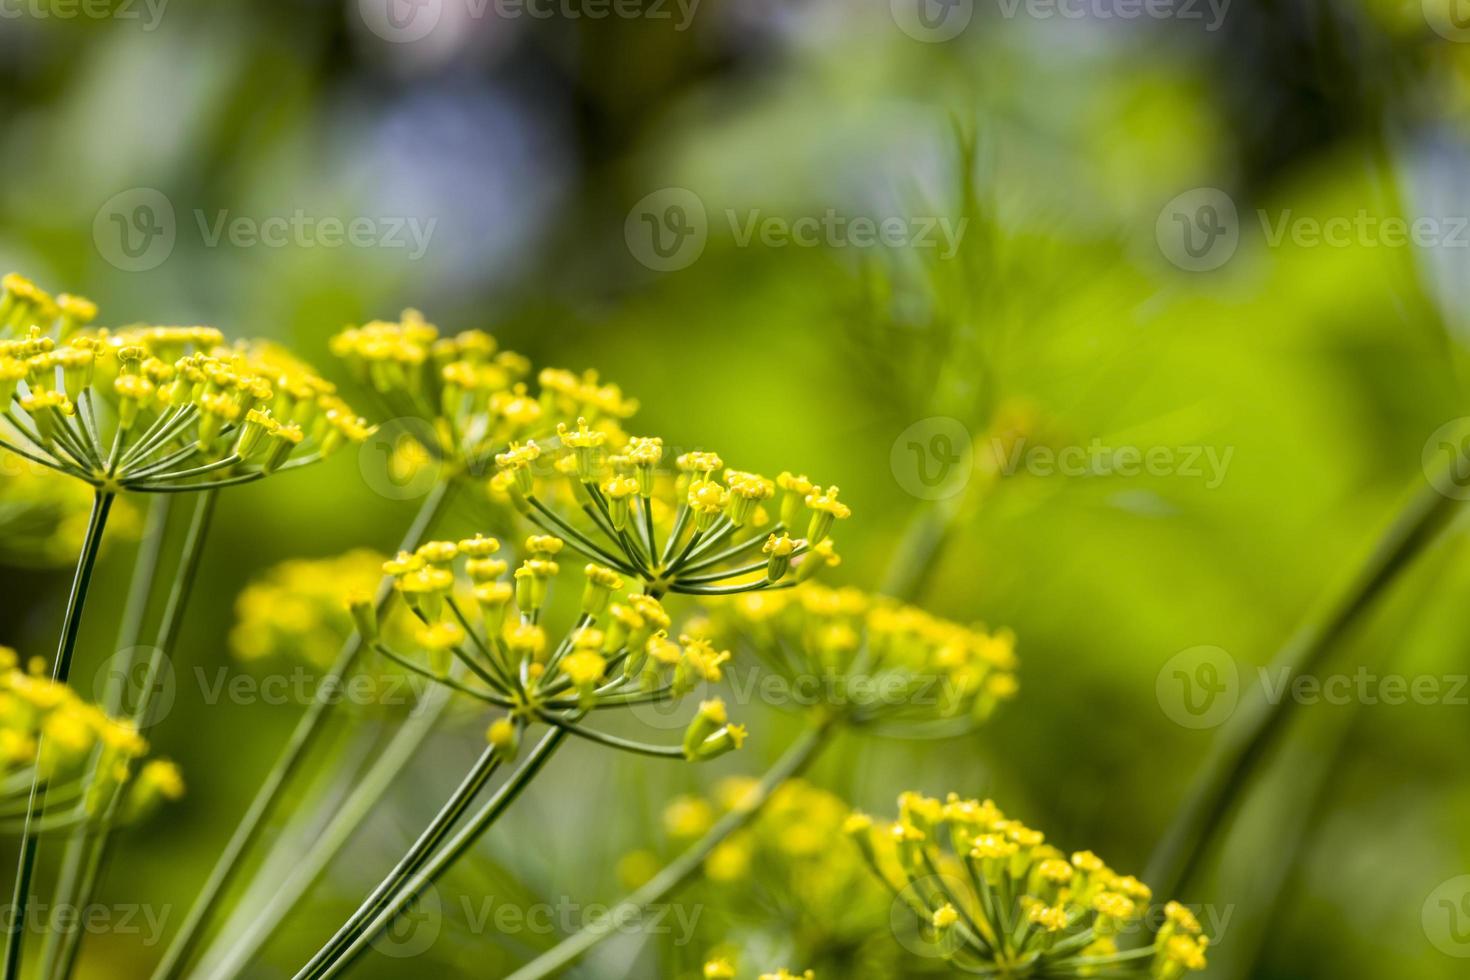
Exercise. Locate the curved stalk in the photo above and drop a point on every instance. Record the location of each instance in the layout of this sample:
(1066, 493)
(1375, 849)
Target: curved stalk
(452, 852)
(413, 859)
(229, 863)
(797, 757)
(1243, 741)
(60, 671)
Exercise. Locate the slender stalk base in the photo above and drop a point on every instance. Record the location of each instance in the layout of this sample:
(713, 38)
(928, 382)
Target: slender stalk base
(796, 758)
(1243, 742)
(88, 850)
(447, 856)
(60, 672)
(230, 862)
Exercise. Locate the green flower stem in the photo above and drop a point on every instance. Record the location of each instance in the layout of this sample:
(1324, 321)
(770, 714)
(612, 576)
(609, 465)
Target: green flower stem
(309, 868)
(1243, 741)
(55, 797)
(451, 852)
(612, 741)
(681, 518)
(412, 859)
(83, 866)
(160, 431)
(50, 464)
(680, 589)
(754, 543)
(233, 481)
(488, 696)
(795, 759)
(130, 631)
(219, 464)
(576, 539)
(650, 532)
(229, 863)
(60, 671)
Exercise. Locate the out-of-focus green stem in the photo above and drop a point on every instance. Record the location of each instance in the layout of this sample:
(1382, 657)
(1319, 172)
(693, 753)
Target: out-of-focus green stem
(1243, 741)
(795, 759)
(60, 672)
(229, 863)
(365, 796)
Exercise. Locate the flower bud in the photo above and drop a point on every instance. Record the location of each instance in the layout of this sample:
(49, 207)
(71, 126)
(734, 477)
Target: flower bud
(505, 737)
(364, 616)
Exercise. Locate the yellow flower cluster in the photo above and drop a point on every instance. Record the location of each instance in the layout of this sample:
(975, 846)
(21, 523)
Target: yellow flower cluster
(298, 608)
(822, 894)
(871, 657)
(46, 727)
(995, 897)
(474, 393)
(720, 968)
(481, 632)
(699, 529)
(149, 408)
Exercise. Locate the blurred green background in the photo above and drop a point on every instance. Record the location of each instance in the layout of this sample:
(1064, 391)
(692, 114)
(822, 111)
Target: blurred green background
(526, 149)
